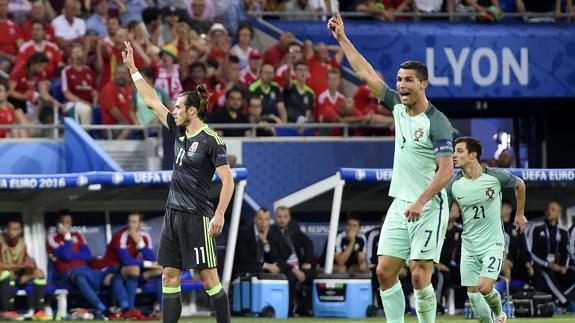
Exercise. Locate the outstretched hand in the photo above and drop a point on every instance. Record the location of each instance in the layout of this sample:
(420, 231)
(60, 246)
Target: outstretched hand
(128, 57)
(335, 24)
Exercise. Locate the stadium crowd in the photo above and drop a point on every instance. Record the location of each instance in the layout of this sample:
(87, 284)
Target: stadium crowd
(63, 58)
(541, 258)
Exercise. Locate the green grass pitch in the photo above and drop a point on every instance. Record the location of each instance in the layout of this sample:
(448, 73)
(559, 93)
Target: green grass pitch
(558, 318)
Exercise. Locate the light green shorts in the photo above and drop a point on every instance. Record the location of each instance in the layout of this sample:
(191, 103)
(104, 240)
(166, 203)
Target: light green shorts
(487, 265)
(419, 240)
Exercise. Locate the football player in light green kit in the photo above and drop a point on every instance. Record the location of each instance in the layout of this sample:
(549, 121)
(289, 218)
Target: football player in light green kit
(416, 222)
(477, 191)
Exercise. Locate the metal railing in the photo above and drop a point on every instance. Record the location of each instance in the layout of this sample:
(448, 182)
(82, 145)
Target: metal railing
(415, 14)
(252, 127)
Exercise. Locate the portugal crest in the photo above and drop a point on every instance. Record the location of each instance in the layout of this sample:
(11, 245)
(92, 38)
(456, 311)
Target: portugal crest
(418, 134)
(490, 192)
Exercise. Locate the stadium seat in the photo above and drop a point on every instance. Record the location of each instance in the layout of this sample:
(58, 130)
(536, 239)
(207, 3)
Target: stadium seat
(56, 90)
(287, 132)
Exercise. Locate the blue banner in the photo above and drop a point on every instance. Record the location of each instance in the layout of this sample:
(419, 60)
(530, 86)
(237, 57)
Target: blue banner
(535, 175)
(55, 181)
(465, 60)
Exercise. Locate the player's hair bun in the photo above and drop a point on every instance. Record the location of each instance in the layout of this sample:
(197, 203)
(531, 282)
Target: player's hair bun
(203, 91)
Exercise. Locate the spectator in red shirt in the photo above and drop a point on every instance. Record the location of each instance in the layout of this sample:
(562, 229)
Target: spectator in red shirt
(275, 54)
(38, 13)
(11, 38)
(110, 55)
(38, 43)
(295, 54)
(9, 115)
(79, 87)
(319, 63)
(251, 72)
(115, 101)
(231, 79)
(131, 249)
(329, 101)
(196, 76)
(219, 42)
(29, 89)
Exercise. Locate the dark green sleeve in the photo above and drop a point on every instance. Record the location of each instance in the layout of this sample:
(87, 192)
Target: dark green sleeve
(389, 98)
(505, 178)
(450, 191)
(441, 134)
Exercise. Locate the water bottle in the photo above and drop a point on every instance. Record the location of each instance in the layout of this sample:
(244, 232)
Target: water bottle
(508, 308)
(468, 311)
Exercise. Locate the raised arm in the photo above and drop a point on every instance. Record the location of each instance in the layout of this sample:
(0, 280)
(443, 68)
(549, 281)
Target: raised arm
(362, 68)
(151, 98)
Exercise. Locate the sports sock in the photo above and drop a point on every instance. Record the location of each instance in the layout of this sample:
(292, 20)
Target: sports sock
(39, 294)
(86, 289)
(11, 294)
(480, 308)
(426, 304)
(5, 291)
(120, 292)
(158, 283)
(131, 286)
(393, 302)
(171, 304)
(493, 299)
(220, 302)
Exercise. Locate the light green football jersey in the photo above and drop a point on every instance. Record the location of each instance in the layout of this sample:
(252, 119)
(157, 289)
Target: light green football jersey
(418, 141)
(480, 203)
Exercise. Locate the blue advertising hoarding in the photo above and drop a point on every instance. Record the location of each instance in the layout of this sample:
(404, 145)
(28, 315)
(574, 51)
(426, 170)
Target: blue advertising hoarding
(465, 60)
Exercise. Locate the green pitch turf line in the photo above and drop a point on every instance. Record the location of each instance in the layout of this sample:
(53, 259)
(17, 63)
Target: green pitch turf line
(561, 318)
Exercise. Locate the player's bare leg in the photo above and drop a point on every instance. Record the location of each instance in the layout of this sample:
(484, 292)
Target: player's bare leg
(218, 296)
(171, 295)
(391, 293)
(425, 300)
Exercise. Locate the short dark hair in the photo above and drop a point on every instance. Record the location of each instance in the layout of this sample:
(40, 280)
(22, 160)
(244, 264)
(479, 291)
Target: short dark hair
(294, 43)
(13, 220)
(150, 14)
(137, 213)
(473, 145)
(197, 99)
(62, 213)
(211, 61)
(354, 217)
(37, 58)
(36, 22)
(302, 63)
(254, 97)
(244, 26)
(234, 89)
(115, 18)
(420, 69)
(199, 64)
(148, 72)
